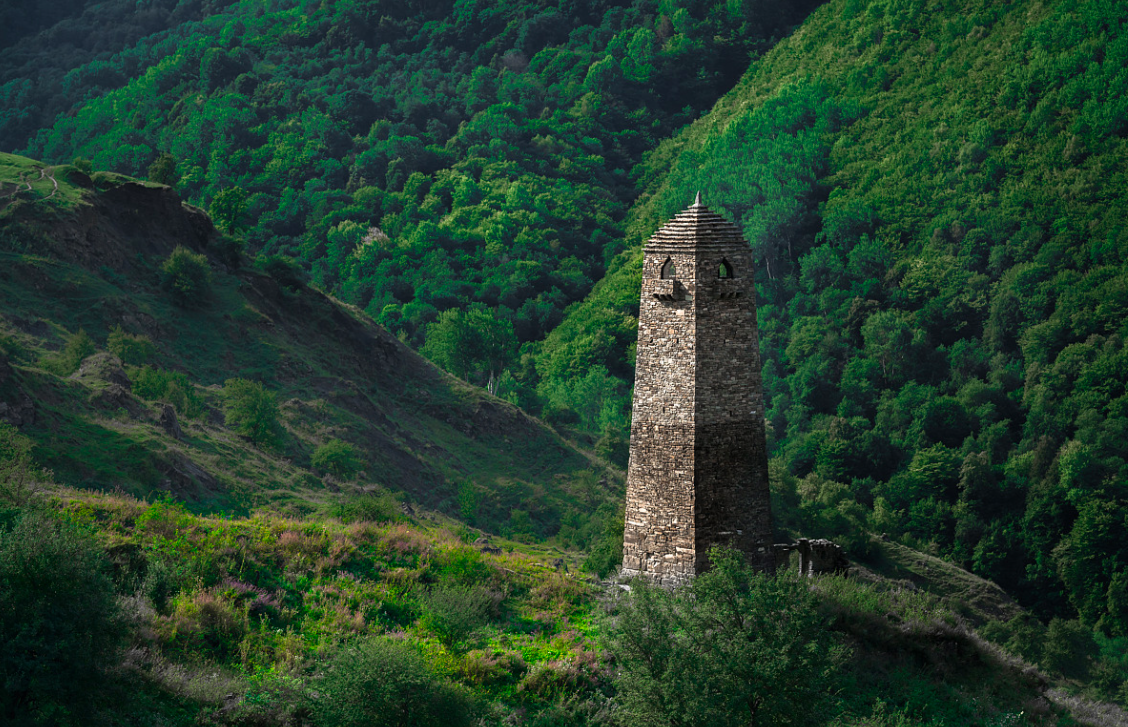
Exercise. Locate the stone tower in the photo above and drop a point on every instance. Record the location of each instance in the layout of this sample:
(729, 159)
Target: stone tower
(698, 472)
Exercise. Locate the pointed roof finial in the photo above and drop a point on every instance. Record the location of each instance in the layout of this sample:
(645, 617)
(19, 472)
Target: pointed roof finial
(697, 202)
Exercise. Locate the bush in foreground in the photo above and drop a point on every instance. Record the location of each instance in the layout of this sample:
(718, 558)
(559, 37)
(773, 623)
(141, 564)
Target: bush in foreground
(59, 622)
(733, 647)
(382, 683)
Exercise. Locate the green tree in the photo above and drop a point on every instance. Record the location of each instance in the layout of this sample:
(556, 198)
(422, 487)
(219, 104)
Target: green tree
(60, 625)
(382, 683)
(888, 336)
(163, 170)
(187, 277)
(733, 647)
(251, 410)
(228, 208)
(1086, 558)
(471, 344)
(337, 458)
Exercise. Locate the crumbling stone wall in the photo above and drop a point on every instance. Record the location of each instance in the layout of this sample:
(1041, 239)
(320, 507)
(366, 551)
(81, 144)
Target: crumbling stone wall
(815, 556)
(698, 472)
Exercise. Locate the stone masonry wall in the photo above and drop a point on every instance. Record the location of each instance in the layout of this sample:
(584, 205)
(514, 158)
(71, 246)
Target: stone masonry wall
(698, 464)
(733, 501)
(659, 535)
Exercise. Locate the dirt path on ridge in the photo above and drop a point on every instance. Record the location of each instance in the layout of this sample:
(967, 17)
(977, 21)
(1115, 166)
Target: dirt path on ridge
(7, 195)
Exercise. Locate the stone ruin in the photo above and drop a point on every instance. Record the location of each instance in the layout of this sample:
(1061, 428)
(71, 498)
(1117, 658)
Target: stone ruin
(698, 471)
(815, 556)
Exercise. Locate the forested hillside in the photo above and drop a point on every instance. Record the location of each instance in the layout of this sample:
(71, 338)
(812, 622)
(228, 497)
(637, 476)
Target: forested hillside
(936, 194)
(420, 158)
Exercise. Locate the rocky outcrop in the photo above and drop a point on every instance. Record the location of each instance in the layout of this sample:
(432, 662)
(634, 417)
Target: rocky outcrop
(104, 367)
(169, 422)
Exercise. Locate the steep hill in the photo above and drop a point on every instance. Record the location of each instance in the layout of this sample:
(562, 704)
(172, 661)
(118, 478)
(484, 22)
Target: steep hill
(935, 192)
(82, 284)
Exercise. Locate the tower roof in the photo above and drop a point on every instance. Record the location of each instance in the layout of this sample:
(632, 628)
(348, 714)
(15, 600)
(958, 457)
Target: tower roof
(697, 226)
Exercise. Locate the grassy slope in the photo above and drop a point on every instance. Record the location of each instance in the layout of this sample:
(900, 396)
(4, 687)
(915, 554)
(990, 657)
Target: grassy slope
(88, 258)
(320, 583)
(255, 606)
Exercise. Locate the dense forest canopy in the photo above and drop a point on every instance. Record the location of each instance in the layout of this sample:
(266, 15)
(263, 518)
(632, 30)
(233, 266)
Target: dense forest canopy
(936, 197)
(417, 157)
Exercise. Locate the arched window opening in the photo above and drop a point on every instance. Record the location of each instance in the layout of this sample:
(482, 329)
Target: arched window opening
(725, 270)
(669, 270)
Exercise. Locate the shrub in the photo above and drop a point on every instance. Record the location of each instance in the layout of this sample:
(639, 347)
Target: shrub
(337, 458)
(559, 593)
(1069, 648)
(559, 415)
(605, 554)
(614, 447)
(66, 362)
(381, 683)
(159, 584)
(251, 410)
(468, 501)
(131, 349)
(18, 474)
(551, 680)
(155, 384)
(205, 623)
(460, 564)
(454, 612)
(490, 666)
(285, 270)
(734, 647)
(229, 250)
(187, 277)
(368, 508)
(60, 624)
(11, 347)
